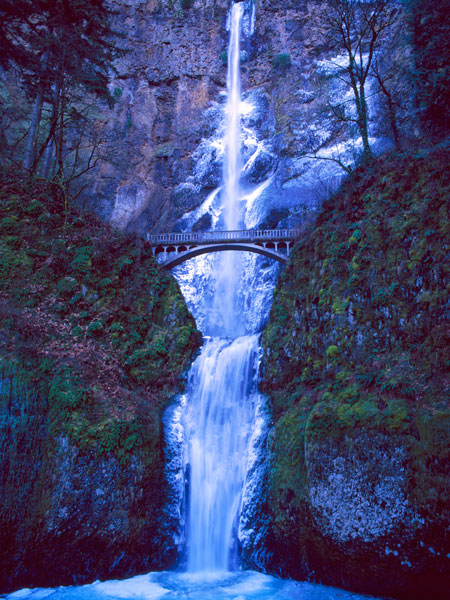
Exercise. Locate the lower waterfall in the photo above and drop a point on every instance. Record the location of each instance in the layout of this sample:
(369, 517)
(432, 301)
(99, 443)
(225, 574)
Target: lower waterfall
(222, 395)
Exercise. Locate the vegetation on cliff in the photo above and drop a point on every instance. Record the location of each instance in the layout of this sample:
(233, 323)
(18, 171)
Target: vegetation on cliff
(61, 51)
(94, 341)
(356, 356)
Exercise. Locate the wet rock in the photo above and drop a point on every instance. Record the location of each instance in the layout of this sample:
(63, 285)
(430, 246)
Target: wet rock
(274, 218)
(203, 224)
(185, 198)
(261, 167)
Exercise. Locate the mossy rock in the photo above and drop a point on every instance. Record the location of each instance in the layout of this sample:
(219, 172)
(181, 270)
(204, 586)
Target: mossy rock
(78, 299)
(356, 364)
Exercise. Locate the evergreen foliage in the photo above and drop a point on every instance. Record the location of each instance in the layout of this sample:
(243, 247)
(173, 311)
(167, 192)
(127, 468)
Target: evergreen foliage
(90, 311)
(59, 39)
(63, 50)
(357, 350)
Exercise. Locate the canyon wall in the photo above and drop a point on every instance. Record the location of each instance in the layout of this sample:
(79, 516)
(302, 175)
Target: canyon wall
(158, 159)
(356, 368)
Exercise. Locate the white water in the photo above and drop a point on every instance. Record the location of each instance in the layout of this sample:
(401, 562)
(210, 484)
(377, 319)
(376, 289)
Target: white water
(222, 392)
(240, 585)
(232, 158)
(225, 304)
(220, 414)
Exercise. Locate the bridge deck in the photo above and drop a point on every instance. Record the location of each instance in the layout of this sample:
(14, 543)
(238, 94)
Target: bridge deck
(219, 237)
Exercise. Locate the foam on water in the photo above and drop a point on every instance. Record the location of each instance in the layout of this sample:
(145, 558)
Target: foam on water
(169, 585)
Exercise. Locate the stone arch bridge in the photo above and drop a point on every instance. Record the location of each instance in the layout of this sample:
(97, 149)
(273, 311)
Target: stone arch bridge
(179, 247)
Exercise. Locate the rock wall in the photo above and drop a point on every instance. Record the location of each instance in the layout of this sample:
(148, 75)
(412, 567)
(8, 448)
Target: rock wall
(155, 162)
(355, 364)
(73, 516)
(95, 341)
(165, 82)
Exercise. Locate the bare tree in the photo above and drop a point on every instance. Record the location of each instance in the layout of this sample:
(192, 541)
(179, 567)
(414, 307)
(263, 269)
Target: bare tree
(392, 76)
(355, 30)
(383, 80)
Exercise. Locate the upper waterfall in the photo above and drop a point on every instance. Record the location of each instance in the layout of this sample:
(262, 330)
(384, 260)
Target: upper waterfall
(232, 159)
(225, 312)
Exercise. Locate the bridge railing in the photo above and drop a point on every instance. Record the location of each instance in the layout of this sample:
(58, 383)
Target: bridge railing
(202, 237)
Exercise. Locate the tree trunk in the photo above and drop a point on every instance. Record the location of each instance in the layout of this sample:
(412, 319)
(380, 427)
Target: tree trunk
(28, 162)
(48, 155)
(390, 108)
(363, 122)
(393, 123)
(60, 138)
(50, 143)
(360, 103)
(33, 131)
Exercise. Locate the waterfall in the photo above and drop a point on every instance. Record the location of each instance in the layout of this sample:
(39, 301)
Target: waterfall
(225, 305)
(220, 417)
(222, 389)
(231, 170)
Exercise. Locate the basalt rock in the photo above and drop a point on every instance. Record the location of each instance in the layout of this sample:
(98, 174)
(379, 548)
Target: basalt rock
(170, 89)
(356, 488)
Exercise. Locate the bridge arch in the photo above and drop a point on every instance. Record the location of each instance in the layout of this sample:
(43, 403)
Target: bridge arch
(178, 259)
(186, 245)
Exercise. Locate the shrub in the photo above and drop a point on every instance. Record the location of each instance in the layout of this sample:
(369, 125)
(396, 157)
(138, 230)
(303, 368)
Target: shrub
(66, 286)
(82, 259)
(332, 352)
(95, 328)
(282, 61)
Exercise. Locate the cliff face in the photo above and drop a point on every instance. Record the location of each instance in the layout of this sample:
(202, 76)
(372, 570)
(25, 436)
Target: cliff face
(356, 365)
(158, 156)
(167, 79)
(94, 342)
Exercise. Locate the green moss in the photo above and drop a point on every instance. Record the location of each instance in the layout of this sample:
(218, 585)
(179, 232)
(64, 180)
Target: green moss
(224, 57)
(369, 284)
(430, 467)
(186, 4)
(164, 150)
(288, 476)
(66, 393)
(360, 328)
(121, 438)
(113, 327)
